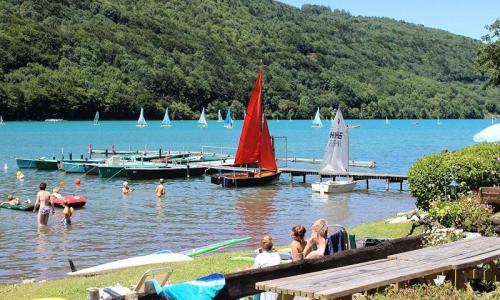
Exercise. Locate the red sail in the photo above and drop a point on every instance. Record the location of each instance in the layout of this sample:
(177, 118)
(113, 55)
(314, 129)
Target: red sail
(267, 160)
(248, 149)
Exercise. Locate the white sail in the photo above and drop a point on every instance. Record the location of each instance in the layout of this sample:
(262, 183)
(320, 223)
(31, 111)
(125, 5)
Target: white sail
(96, 118)
(386, 121)
(228, 122)
(166, 120)
(141, 122)
(1, 120)
(317, 120)
(336, 157)
(438, 121)
(219, 117)
(202, 121)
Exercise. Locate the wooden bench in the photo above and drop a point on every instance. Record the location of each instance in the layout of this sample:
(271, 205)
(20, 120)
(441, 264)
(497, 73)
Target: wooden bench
(490, 195)
(454, 260)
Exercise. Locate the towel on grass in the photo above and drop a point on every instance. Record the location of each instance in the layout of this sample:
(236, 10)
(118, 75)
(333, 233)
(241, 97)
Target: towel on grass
(204, 288)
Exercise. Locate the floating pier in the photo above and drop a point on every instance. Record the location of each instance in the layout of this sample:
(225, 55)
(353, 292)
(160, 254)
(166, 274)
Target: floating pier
(314, 161)
(389, 178)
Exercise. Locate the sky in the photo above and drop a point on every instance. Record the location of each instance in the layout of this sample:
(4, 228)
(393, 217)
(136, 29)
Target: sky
(464, 17)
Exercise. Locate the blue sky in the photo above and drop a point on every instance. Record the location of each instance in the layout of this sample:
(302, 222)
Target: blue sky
(465, 17)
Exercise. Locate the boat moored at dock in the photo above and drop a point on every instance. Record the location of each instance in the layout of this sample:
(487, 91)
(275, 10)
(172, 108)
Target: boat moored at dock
(25, 163)
(166, 172)
(46, 164)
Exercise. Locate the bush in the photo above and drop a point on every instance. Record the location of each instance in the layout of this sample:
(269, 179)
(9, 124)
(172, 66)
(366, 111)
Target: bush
(472, 167)
(467, 213)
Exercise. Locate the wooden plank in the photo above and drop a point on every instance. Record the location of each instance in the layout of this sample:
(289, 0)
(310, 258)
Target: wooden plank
(242, 283)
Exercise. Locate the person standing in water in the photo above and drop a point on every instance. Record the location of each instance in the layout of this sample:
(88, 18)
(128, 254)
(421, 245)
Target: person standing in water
(160, 189)
(44, 205)
(67, 213)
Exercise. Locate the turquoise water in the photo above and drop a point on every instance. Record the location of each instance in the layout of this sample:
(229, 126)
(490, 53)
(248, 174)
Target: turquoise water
(195, 212)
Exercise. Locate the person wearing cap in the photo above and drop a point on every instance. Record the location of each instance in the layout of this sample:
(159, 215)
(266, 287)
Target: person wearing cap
(126, 188)
(160, 189)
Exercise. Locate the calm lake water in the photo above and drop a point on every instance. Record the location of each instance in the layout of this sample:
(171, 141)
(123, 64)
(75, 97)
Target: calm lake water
(195, 212)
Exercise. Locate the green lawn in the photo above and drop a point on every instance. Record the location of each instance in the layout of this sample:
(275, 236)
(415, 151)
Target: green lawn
(75, 288)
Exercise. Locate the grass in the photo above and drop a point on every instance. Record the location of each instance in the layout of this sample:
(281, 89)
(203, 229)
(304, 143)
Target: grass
(75, 288)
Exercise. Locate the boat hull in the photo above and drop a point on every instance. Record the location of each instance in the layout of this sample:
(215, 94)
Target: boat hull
(23, 206)
(156, 258)
(343, 186)
(245, 179)
(91, 169)
(112, 171)
(25, 163)
(165, 172)
(73, 201)
(71, 167)
(42, 164)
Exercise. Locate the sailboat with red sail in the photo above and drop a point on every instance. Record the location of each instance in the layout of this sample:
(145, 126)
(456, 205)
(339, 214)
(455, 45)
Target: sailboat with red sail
(255, 149)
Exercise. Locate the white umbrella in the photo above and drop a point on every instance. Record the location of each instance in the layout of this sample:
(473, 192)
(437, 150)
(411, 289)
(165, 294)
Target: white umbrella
(490, 134)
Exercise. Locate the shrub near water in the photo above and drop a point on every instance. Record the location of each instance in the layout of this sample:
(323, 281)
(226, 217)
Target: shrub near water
(472, 167)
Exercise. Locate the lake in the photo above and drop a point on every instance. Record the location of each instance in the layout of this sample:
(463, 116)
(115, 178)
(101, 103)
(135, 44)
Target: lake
(195, 212)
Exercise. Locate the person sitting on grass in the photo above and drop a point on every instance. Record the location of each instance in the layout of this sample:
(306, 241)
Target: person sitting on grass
(298, 242)
(316, 244)
(267, 257)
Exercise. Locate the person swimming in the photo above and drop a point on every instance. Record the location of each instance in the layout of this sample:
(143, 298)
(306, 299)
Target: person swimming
(126, 188)
(11, 200)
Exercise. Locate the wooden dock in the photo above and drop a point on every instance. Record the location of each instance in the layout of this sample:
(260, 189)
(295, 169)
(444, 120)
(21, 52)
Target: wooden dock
(388, 178)
(293, 172)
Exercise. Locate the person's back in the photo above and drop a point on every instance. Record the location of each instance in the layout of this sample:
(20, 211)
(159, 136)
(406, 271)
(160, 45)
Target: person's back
(160, 189)
(267, 258)
(44, 205)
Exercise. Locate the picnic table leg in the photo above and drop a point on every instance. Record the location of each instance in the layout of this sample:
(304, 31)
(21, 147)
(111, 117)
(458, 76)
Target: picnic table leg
(461, 279)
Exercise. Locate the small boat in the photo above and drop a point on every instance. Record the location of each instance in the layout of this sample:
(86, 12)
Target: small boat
(78, 165)
(219, 117)
(166, 172)
(166, 120)
(96, 118)
(46, 164)
(438, 121)
(156, 258)
(141, 122)
(202, 122)
(25, 163)
(255, 147)
(91, 169)
(72, 200)
(1, 120)
(336, 159)
(228, 122)
(54, 120)
(21, 206)
(316, 123)
(386, 121)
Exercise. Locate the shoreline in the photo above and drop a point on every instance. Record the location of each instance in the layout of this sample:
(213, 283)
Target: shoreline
(75, 287)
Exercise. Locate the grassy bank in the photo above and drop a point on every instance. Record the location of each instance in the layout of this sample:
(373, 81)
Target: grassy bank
(75, 288)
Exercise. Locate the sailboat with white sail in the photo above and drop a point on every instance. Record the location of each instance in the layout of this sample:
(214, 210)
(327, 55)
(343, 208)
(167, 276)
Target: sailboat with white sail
(166, 120)
(438, 121)
(386, 121)
(96, 118)
(228, 122)
(202, 122)
(336, 159)
(141, 122)
(1, 120)
(219, 117)
(316, 123)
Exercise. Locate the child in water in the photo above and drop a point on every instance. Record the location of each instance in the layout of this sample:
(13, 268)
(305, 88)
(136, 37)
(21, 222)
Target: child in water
(67, 213)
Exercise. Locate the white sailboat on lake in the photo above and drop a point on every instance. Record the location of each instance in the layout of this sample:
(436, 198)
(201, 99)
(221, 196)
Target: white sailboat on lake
(1, 120)
(316, 123)
(141, 122)
(228, 122)
(336, 159)
(386, 121)
(219, 117)
(166, 120)
(438, 121)
(202, 122)
(96, 118)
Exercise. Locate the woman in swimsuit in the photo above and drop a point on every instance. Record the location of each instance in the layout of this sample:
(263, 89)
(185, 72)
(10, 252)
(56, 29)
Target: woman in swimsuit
(44, 205)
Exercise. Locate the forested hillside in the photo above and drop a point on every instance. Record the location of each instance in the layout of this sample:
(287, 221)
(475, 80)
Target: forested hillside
(67, 59)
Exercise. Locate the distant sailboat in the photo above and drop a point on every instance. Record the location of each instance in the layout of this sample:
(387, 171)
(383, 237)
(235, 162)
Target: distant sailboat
(316, 123)
(386, 121)
(1, 120)
(96, 118)
(244, 113)
(228, 122)
(141, 122)
(202, 122)
(166, 120)
(219, 117)
(336, 159)
(438, 121)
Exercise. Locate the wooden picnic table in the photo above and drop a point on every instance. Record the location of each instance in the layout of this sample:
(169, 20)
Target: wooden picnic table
(398, 268)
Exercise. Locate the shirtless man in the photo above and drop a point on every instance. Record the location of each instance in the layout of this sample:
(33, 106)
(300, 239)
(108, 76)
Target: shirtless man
(44, 205)
(160, 189)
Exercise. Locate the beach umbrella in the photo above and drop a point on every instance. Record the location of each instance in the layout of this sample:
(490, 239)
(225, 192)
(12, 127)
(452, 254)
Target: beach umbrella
(490, 134)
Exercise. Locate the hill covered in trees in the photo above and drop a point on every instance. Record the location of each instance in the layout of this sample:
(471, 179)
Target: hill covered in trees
(68, 59)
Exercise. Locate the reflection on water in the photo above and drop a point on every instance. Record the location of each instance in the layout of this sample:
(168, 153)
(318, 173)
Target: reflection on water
(256, 209)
